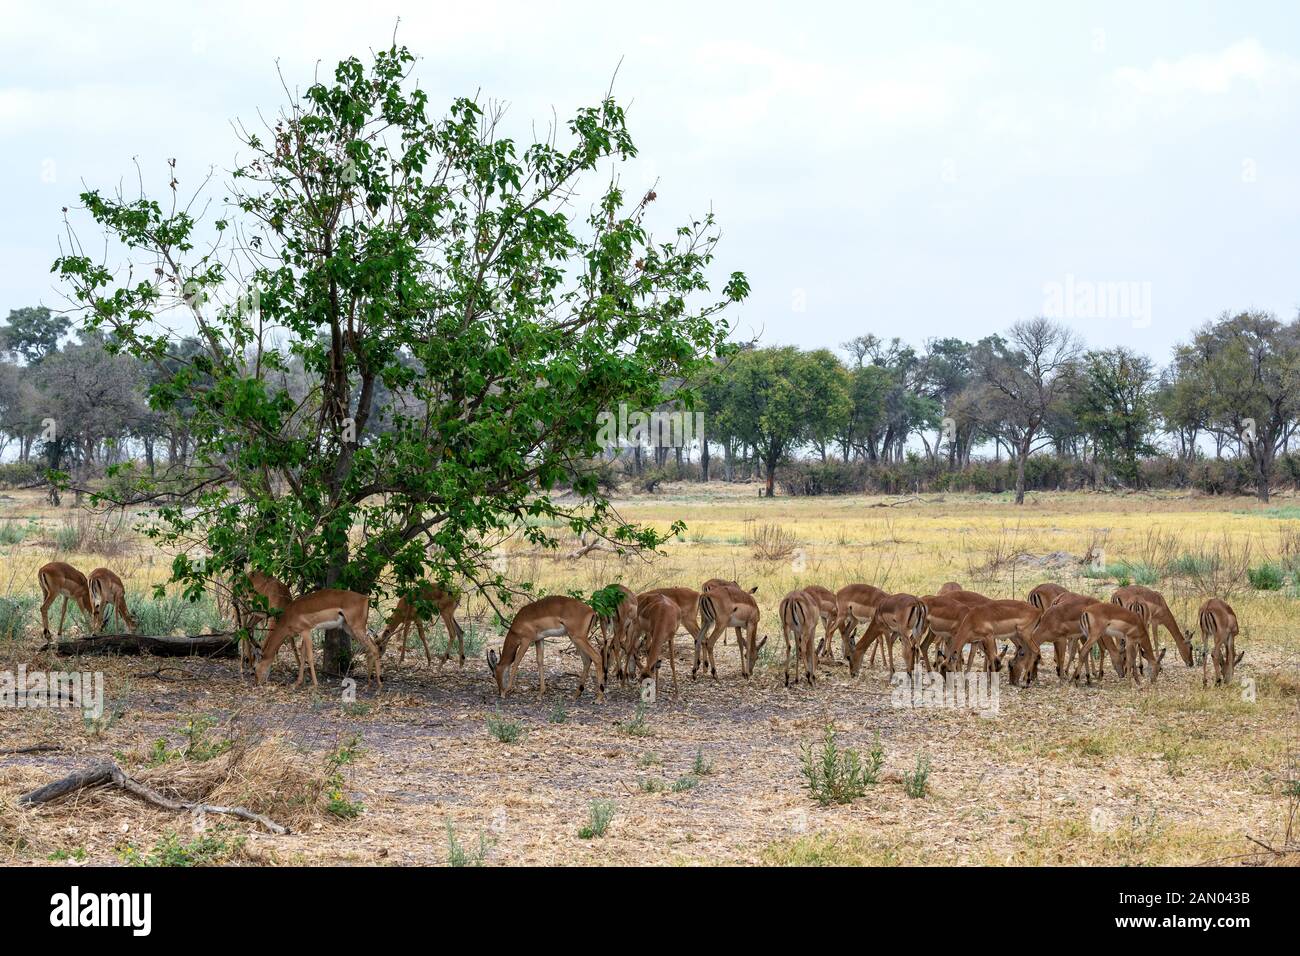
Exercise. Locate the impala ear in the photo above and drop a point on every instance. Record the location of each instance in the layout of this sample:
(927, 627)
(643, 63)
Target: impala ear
(492, 659)
(754, 589)
(1163, 652)
(1239, 657)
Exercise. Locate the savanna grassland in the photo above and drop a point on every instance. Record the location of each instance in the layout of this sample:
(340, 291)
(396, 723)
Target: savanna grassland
(435, 770)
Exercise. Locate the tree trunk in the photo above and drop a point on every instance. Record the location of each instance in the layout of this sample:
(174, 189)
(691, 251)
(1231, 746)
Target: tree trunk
(704, 459)
(1020, 472)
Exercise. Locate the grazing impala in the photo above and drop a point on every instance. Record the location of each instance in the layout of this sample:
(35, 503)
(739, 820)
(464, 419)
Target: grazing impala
(621, 647)
(950, 586)
(986, 624)
(327, 609)
(106, 591)
(943, 612)
(1045, 595)
(1057, 625)
(828, 612)
(856, 605)
(271, 598)
(61, 579)
(897, 616)
(799, 615)
(1218, 619)
(1152, 606)
(688, 613)
(657, 617)
(1103, 623)
(407, 613)
(554, 616)
(721, 608)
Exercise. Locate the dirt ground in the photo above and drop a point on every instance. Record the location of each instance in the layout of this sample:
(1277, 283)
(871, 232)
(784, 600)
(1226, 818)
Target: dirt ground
(1170, 773)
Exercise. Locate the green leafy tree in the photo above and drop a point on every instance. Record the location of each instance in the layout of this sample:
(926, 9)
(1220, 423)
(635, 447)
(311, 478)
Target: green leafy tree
(367, 247)
(33, 333)
(1114, 403)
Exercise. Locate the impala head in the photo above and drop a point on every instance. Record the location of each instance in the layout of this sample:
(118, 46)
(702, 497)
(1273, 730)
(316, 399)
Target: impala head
(1185, 647)
(1023, 662)
(751, 653)
(497, 667)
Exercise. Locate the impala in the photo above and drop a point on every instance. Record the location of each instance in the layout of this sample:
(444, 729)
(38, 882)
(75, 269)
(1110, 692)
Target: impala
(986, 624)
(688, 613)
(828, 613)
(1057, 625)
(1103, 623)
(619, 648)
(950, 586)
(61, 579)
(657, 617)
(327, 609)
(943, 612)
(1043, 596)
(554, 616)
(1153, 607)
(272, 598)
(856, 604)
(800, 612)
(106, 591)
(897, 616)
(1218, 619)
(721, 608)
(407, 613)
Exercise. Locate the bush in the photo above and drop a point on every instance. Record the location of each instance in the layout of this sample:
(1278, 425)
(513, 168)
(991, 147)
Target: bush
(19, 474)
(173, 613)
(16, 615)
(833, 775)
(1266, 577)
(601, 813)
(917, 782)
(506, 731)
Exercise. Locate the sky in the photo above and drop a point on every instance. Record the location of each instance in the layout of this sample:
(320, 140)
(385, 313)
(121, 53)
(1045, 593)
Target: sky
(915, 170)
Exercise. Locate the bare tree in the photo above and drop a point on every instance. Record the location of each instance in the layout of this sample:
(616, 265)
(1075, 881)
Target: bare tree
(1027, 376)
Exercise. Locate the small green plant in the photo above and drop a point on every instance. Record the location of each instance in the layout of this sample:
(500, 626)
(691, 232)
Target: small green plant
(15, 616)
(688, 782)
(600, 815)
(559, 714)
(337, 802)
(916, 783)
(651, 785)
(457, 855)
(356, 709)
(639, 725)
(1266, 577)
(834, 775)
(701, 767)
(506, 731)
(198, 745)
(76, 853)
(11, 532)
(649, 759)
(207, 850)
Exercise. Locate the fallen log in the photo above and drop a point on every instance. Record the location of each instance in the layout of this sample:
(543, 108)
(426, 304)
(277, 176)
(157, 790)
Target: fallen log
(108, 771)
(222, 644)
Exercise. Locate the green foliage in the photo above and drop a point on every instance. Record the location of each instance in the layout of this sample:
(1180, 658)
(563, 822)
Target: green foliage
(16, 615)
(455, 329)
(173, 613)
(835, 775)
(639, 724)
(601, 813)
(198, 743)
(1266, 577)
(506, 731)
(701, 767)
(211, 849)
(916, 783)
(559, 713)
(684, 783)
(457, 855)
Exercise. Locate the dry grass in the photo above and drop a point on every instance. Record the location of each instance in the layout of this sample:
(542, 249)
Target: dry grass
(1168, 774)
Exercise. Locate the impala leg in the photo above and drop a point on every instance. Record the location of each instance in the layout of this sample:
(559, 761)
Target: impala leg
(63, 613)
(302, 659)
(672, 660)
(786, 634)
(45, 620)
(428, 658)
(541, 672)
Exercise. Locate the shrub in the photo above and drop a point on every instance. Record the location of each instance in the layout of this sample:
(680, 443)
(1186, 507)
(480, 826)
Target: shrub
(1266, 577)
(506, 731)
(917, 782)
(601, 813)
(833, 775)
(639, 725)
(16, 615)
(457, 855)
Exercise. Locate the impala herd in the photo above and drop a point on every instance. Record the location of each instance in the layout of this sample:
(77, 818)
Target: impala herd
(932, 631)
